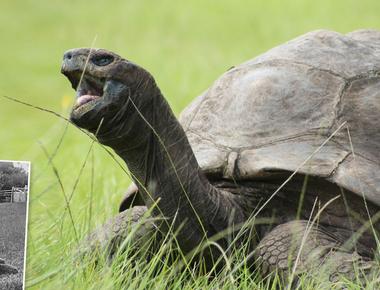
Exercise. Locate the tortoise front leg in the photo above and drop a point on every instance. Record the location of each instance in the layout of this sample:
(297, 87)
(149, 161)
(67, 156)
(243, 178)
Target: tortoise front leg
(132, 226)
(314, 251)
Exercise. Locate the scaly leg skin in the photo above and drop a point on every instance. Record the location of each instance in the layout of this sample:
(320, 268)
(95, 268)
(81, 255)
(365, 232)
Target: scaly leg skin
(321, 256)
(132, 224)
(7, 269)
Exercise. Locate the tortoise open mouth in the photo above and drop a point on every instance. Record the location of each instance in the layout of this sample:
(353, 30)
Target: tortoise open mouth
(89, 92)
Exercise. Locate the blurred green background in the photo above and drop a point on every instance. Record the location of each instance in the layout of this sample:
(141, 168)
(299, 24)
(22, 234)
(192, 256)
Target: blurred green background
(186, 45)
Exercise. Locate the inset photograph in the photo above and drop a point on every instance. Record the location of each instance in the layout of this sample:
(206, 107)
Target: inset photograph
(14, 189)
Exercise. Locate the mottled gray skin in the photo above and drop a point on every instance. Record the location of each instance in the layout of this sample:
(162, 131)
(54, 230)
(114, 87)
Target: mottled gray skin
(6, 269)
(238, 142)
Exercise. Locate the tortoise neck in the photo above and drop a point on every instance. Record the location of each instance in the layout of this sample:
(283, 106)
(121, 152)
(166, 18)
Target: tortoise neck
(161, 160)
(166, 171)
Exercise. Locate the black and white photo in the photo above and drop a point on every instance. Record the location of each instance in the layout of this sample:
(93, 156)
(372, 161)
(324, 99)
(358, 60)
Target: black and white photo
(14, 189)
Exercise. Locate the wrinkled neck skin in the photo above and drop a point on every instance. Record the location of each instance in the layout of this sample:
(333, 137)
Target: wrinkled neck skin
(165, 170)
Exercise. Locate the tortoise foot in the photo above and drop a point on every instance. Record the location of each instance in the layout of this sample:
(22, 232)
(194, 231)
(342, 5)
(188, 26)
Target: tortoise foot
(131, 224)
(294, 249)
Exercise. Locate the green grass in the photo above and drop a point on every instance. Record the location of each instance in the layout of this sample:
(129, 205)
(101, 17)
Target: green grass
(186, 46)
(12, 242)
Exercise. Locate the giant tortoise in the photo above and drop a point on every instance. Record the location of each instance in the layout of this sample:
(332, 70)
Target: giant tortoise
(292, 136)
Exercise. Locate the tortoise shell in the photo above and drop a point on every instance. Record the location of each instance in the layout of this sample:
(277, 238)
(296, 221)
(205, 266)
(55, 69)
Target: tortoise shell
(311, 105)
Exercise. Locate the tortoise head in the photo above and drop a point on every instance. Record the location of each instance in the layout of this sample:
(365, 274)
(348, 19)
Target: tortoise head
(107, 86)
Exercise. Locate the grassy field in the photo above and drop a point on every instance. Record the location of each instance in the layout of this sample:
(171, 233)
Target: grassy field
(185, 45)
(12, 237)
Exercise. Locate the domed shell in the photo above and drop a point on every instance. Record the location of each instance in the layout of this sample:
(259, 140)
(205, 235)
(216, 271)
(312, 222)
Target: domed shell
(271, 114)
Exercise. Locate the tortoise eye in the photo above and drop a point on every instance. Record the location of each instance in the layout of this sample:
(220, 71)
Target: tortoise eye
(102, 59)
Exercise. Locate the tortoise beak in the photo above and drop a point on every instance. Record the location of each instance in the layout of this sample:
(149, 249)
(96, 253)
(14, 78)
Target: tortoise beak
(74, 60)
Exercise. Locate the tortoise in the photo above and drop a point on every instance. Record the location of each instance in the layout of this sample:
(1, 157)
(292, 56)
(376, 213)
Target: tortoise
(6, 268)
(291, 135)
